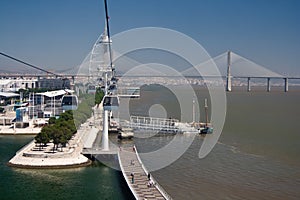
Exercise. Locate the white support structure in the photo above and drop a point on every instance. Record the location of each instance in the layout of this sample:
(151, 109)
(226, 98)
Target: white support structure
(228, 82)
(268, 85)
(286, 84)
(106, 81)
(248, 85)
(193, 110)
(105, 144)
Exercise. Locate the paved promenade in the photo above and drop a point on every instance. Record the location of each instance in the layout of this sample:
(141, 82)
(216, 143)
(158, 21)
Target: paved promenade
(131, 164)
(31, 157)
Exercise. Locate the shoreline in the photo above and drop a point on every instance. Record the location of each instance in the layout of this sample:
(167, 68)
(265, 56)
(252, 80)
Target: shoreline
(30, 134)
(4, 130)
(25, 158)
(28, 157)
(87, 163)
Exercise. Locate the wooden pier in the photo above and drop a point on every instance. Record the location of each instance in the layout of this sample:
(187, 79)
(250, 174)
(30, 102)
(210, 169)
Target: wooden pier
(130, 163)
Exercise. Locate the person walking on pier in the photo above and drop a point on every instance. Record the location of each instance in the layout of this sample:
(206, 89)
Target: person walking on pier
(149, 176)
(132, 162)
(132, 177)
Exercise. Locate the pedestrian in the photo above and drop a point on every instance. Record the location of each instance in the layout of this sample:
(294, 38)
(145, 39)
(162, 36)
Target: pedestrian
(149, 176)
(151, 183)
(132, 162)
(132, 178)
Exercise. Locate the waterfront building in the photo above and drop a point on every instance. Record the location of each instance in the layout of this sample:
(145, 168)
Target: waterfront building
(54, 83)
(14, 84)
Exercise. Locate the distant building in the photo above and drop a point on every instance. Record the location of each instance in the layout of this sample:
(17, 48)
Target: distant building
(54, 83)
(14, 84)
(8, 98)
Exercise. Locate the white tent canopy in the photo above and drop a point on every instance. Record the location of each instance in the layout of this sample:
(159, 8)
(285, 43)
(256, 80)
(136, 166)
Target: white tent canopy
(8, 94)
(56, 93)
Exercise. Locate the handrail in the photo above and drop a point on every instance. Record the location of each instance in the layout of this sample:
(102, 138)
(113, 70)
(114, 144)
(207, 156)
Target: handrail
(159, 187)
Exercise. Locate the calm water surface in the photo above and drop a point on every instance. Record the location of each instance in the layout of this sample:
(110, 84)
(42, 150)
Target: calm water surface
(93, 182)
(257, 156)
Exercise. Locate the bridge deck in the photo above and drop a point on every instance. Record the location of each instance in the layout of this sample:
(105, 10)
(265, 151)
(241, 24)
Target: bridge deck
(130, 163)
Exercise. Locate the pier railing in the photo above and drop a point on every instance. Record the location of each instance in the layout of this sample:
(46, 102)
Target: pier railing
(129, 92)
(159, 187)
(151, 123)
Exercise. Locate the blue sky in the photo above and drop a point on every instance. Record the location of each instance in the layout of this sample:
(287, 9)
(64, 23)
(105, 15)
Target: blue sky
(59, 33)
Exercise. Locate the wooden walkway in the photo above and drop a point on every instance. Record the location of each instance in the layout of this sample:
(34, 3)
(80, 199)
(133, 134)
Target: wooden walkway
(131, 163)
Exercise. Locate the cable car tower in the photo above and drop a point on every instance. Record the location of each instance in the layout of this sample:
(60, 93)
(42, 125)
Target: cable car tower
(107, 71)
(99, 60)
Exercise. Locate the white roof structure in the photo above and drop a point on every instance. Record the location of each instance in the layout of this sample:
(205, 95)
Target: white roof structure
(8, 94)
(5, 81)
(55, 93)
(69, 91)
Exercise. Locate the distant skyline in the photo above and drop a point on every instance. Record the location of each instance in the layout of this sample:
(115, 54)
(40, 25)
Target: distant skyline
(58, 34)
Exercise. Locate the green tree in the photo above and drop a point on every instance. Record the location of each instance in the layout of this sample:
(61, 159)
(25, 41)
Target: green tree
(38, 140)
(56, 135)
(43, 137)
(66, 116)
(65, 136)
(98, 96)
(60, 131)
(52, 120)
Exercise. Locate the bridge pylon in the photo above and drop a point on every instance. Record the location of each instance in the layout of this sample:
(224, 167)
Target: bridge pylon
(228, 80)
(286, 84)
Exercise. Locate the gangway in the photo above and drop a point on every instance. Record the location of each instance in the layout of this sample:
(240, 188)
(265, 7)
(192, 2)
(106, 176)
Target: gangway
(131, 164)
(129, 92)
(156, 124)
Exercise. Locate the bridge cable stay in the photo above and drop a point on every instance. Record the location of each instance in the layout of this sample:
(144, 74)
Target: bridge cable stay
(30, 65)
(108, 35)
(240, 67)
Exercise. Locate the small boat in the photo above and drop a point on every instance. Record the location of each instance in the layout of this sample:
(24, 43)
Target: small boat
(113, 127)
(169, 131)
(206, 130)
(125, 133)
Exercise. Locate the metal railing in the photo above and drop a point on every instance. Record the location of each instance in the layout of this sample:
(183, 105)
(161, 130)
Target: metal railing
(151, 123)
(156, 184)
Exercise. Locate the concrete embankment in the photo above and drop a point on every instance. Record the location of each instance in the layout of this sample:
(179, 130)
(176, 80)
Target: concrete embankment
(5, 130)
(32, 156)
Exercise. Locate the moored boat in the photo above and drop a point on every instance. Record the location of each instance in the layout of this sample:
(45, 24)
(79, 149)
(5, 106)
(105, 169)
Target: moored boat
(125, 133)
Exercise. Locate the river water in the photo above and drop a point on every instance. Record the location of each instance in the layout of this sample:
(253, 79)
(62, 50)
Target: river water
(94, 182)
(257, 156)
